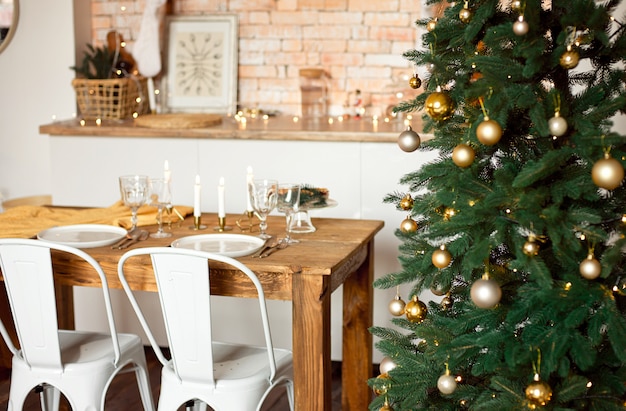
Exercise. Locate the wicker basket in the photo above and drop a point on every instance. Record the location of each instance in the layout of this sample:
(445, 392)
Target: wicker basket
(111, 99)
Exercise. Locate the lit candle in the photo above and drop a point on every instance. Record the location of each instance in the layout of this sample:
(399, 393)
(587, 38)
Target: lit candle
(249, 179)
(196, 198)
(220, 199)
(167, 174)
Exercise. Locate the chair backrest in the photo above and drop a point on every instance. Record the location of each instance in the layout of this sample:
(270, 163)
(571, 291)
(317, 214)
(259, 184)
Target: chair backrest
(28, 274)
(182, 276)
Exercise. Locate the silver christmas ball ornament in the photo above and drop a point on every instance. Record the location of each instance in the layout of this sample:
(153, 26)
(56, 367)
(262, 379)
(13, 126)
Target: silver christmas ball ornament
(557, 125)
(486, 293)
(409, 140)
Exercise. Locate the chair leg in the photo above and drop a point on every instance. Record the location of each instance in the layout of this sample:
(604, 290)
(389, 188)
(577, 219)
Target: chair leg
(49, 397)
(143, 383)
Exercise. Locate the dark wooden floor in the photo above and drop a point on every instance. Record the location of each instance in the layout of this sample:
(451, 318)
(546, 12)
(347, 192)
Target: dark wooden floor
(123, 394)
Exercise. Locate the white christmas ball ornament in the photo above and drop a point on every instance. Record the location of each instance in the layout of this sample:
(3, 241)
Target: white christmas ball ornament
(486, 293)
(446, 384)
(557, 125)
(386, 365)
(520, 27)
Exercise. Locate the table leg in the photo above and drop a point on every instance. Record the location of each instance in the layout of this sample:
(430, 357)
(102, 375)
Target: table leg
(65, 306)
(358, 296)
(311, 342)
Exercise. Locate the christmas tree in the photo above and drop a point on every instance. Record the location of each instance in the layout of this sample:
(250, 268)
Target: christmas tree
(518, 228)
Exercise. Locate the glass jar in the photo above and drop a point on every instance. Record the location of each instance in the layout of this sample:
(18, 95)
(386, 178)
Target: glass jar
(314, 93)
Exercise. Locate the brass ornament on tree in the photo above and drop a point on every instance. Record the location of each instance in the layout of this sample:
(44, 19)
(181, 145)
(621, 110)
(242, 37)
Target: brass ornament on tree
(431, 25)
(531, 247)
(465, 15)
(538, 393)
(569, 59)
(408, 225)
(407, 202)
(415, 82)
(489, 132)
(441, 257)
(607, 172)
(439, 106)
(386, 406)
(463, 155)
(415, 310)
(383, 384)
(516, 5)
(446, 302)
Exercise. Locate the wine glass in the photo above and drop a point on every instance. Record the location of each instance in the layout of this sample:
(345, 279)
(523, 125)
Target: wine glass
(160, 197)
(135, 190)
(288, 202)
(263, 197)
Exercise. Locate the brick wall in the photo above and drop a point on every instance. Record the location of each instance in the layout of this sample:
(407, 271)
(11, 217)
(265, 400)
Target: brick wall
(358, 42)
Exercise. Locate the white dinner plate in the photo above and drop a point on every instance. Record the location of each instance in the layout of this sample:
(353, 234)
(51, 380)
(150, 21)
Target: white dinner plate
(230, 245)
(83, 235)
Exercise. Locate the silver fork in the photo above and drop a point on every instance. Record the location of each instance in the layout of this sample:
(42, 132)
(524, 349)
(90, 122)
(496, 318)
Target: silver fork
(279, 246)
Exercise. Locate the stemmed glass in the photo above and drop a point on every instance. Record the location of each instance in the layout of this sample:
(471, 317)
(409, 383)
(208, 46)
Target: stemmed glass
(160, 197)
(263, 197)
(288, 202)
(135, 190)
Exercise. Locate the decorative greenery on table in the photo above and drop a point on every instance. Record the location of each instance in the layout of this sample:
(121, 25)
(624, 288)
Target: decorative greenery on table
(312, 196)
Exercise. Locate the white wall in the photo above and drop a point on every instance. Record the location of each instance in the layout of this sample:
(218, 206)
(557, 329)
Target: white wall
(34, 86)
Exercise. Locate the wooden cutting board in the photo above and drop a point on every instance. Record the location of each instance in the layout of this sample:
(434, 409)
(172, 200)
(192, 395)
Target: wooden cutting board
(178, 120)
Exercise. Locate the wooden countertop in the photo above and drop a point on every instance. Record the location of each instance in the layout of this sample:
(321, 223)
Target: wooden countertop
(273, 128)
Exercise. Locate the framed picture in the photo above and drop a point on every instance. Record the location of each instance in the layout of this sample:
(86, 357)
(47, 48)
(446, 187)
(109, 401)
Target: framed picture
(201, 64)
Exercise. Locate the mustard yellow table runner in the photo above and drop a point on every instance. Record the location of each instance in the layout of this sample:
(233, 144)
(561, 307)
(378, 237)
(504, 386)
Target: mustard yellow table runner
(26, 221)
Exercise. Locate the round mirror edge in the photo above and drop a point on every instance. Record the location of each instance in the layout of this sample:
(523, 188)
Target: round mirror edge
(11, 32)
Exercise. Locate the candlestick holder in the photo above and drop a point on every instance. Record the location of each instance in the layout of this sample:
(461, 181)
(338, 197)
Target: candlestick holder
(221, 221)
(245, 223)
(197, 224)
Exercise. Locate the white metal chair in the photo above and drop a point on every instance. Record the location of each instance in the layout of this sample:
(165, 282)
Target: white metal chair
(222, 375)
(77, 364)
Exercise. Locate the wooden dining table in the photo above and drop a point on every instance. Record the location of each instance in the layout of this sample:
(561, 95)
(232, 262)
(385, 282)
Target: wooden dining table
(339, 252)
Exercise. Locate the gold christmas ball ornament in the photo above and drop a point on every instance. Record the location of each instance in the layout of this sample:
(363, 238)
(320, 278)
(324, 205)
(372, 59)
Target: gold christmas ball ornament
(439, 288)
(531, 248)
(557, 125)
(446, 302)
(431, 25)
(520, 27)
(415, 82)
(386, 365)
(446, 384)
(486, 293)
(439, 106)
(516, 5)
(538, 393)
(465, 14)
(408, 225)
(396, 306)
(463, 155)
(407, 202)
(385, 407)
(409, 140)
(415, 310)
(441, 257)
(489, 132)
(607, 172)
(382, 385)
(569, 59)
(590, 268)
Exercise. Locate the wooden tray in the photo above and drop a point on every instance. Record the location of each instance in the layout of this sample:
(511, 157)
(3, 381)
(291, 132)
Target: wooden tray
(178, 120)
